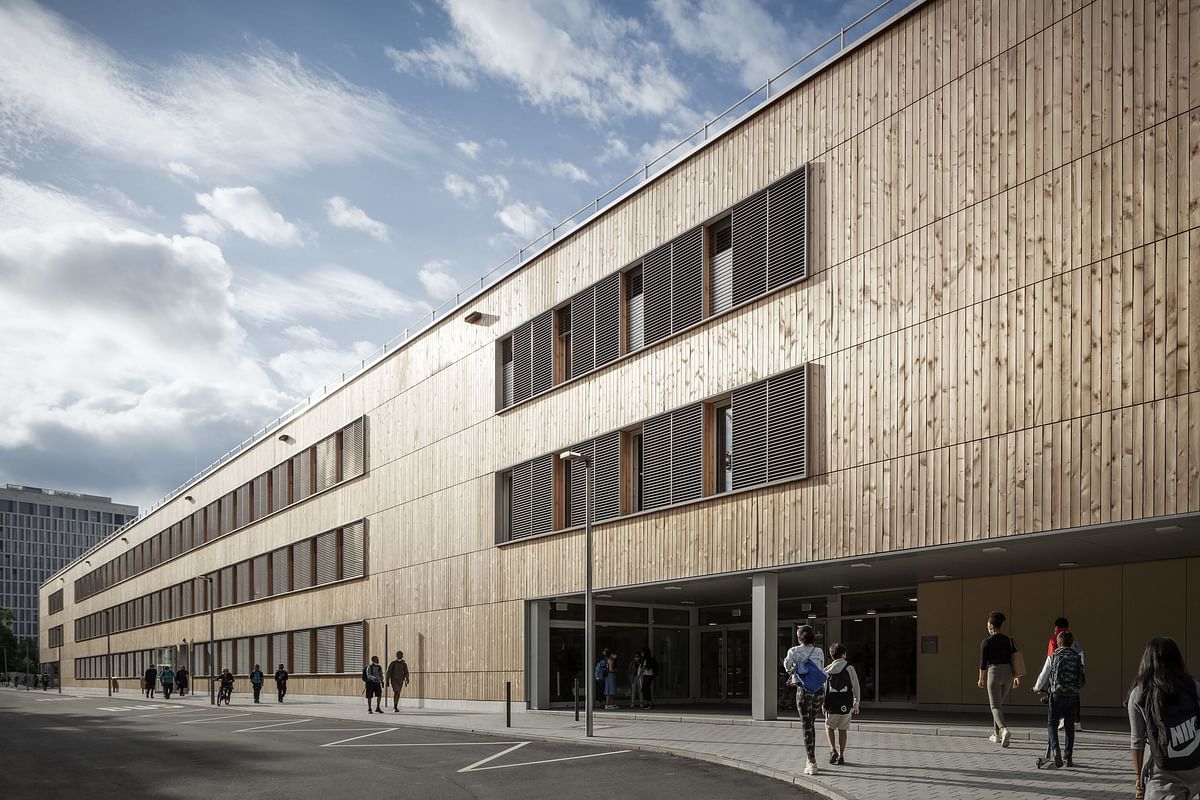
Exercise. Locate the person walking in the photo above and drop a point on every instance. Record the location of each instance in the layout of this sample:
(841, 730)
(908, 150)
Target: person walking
(635, 681)
(372, 676)
(842, 696)
(397, 678)
(45, 682)
(1164, 713)
(599, 670)
(610, 682)
(807, 655)
(181, 680)
(149, 679)
(167, 678)
(256, 681)
(649, 671)
(1063, 678)
(1001, 666)
(281, 678)
(1063, 624)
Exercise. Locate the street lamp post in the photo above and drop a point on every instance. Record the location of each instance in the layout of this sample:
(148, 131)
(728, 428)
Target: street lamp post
(212, 645)
(589, 607)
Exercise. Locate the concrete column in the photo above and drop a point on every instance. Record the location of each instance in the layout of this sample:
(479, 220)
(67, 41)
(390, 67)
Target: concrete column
(537, 654)
(764, 683)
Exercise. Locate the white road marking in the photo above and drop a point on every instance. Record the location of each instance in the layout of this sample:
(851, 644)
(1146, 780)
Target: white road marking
(273, 725)
(483, 761)
(425, 744)
(175, 713)
(133, 708)
(474, 768)
(356, 738)
(218, 719)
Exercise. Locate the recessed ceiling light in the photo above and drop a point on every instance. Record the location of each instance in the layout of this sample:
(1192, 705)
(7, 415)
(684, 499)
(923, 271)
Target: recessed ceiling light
(672, 588)
(687, 602)
(860, 565)
(841, 586)
(812, 616)
(712, 624)
(1168, 529)
(858, 620)
(942, 577)
(1065, 564)
(604, 597)
(870, 612)
(995, 549)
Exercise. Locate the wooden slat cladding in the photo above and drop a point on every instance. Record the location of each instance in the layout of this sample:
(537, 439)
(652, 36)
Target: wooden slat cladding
(541, 352)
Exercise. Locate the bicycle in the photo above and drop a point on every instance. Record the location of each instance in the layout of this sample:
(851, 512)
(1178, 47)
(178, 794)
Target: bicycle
(224, 693)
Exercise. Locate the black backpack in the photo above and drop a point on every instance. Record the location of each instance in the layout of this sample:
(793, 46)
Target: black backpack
(1179, 718)
(839, 693)
(1066, 672)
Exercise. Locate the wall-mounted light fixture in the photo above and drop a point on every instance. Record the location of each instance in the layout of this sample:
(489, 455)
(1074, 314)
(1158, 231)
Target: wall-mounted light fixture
(189, 498)
(473, 318)
(283, 437)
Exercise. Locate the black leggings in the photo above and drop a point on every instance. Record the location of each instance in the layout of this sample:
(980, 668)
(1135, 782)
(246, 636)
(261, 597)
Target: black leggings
(808, 704)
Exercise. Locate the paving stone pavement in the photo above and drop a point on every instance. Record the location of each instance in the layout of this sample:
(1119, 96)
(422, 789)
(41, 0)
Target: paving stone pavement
(911, 761)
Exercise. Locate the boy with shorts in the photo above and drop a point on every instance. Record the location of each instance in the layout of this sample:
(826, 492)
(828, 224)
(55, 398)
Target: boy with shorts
(842, 694)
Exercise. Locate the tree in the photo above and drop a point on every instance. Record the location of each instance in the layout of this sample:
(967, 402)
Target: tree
(20, 652)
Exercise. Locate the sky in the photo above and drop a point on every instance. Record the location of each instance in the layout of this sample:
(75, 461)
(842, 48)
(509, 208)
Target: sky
(208, 210)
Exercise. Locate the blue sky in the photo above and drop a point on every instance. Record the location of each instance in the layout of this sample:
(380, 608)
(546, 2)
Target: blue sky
(209, 209)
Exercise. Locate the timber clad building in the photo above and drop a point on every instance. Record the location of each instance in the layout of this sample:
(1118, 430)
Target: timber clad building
(916, 340)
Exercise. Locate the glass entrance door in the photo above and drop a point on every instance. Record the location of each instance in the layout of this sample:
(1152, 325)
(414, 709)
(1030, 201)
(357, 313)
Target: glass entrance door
(725, 664)
(883, 651)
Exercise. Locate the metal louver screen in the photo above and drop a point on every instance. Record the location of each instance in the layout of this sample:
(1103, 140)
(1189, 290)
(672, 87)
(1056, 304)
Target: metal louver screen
(522, 366)
(280, 654)
(243, 582)
(541, 353)
(506, 370)
(327, 558)
(326, 651)
(750, 435)
(302, 564)
(353, 550)
(243, 657)
(260, 654)
(354, 449)
(302, 652)
(521, 509)
(242, 496)
(326, 463)
(687, 280)
(226, 587)
(656, 462)
(279, 487)
(212, 521)
(583, 334)
(225, 660)
(187, 599)
(749, 227)
(228, 504)
(787, 233)
(787, 426)
(261, 570)
(186, 535)
(542, 491)
(279, 571)
(656, 283)
(635, 323)
(352, 647)
(608, 319)
(301, 476)
(577, 474)
(607, 476)
(721, 277)
(262, 497)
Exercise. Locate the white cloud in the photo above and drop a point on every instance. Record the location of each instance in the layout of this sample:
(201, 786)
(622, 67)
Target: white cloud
(204, 226)
(119, 199)
(614, 150)
(261, 112)
(330, 293)
(524, 220)
(179, 170)
(317, 360)
(469, 149)
(577, 57)
(245, 210)
(459, 187)
(495, 185)
(438, 283)
(344, 215)
(28, 205)
(565, 169)
(739, 33)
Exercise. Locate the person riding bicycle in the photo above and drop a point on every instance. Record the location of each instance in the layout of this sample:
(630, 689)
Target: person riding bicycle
(226, 687)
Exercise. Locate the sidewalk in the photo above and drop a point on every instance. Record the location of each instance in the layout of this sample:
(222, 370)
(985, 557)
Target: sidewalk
(909, 761)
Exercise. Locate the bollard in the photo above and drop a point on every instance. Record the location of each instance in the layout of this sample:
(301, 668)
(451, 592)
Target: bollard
(508, 704)
(575, 689)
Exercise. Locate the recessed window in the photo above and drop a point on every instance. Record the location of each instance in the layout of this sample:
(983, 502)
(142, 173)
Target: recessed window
(723, 451)
(635, 311)
(635, 470)
(506, 372)
(721, 266)
(564, 341)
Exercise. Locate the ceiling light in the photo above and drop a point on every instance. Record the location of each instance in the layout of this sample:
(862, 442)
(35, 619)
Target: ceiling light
(672, 588)
(604, 597)
(858, 620)
(687, 602)
(912, 599)
(841, 586)
(712, 624)
(860, 565)
(942, 577)
(995, 549)
(812, 616)
(1169, 529)
(1065, 564)
(870, 612)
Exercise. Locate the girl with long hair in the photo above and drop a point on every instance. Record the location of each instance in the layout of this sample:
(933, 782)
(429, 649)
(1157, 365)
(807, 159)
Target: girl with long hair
(1163, 708)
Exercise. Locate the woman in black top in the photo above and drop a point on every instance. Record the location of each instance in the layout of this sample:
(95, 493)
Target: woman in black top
(996, 674)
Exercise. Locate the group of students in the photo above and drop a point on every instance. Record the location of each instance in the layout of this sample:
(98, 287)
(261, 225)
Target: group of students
(177, 680)
(642, 671)
(171, 680)
(397, 677)
(832, 689)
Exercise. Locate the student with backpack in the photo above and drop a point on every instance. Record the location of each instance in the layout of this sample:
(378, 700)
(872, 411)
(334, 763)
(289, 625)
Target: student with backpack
(649, 670)
(842, 695)
(1063, 678)
(805, 663)
(1063, 624)
(1164, 713)
(372, 676)
(599, 672)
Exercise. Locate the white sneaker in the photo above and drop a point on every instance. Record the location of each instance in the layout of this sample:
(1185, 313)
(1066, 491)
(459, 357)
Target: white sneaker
(994, 739)
(1004, 737)
(810, 768)
(1062, 724)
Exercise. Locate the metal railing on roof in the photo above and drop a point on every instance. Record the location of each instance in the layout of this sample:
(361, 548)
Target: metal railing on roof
(875, 20)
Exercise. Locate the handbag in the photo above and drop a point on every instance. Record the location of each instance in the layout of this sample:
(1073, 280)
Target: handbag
(1017, 660)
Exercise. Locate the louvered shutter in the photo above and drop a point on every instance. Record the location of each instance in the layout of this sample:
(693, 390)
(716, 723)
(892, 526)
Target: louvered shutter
(787, 233)
(721, 278)
(656, 462)
(750, 435)
(327, 650)
(212, 515)
(279, 487)
(354, 449)
(542, 490)
(521, 364)
(302, 564)
(352, 647)
(577, 475)
(687, 280)
(327, 558)
(326, 463)
(541, 348)
(261, 570)
(228, 509)
(656, 286)
(521, 506)
(242, 571)
(243, 657)
(635, 322)
(353, 552)
(749, 228)
(787, 426)
(260, 653)
(608, 319)
(187, 597)
(186, 535)
(279, 571)
(226, 587)
(225, 661)
(262, 496)
(302, 481)
(302, 652)
(280, 652)
(583, 335)
(506, 373)
(607, 476)
(241, 505)
(687, 453)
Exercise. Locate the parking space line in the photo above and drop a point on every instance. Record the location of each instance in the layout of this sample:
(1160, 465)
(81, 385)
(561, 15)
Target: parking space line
(430, 744)
(356, 738)
(273, 725)
(475, 768)
(218, 719)
(175, 713)
(483, 761)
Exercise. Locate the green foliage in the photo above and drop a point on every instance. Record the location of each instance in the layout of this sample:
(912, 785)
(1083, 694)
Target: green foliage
(21, 653)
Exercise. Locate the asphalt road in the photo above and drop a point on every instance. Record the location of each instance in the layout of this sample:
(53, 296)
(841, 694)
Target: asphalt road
(55, 746)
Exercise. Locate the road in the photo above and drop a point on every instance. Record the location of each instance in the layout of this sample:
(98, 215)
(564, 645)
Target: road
(63, 746)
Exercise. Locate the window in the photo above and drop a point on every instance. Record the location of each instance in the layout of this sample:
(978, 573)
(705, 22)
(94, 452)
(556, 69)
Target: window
(566, 355)
(724, 447)
(721, 266)
(635, 471)
(635, 311)
(506, 373)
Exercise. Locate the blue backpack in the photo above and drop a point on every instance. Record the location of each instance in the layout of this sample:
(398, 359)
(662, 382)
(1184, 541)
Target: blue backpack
(601, 669)
(810, 677)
